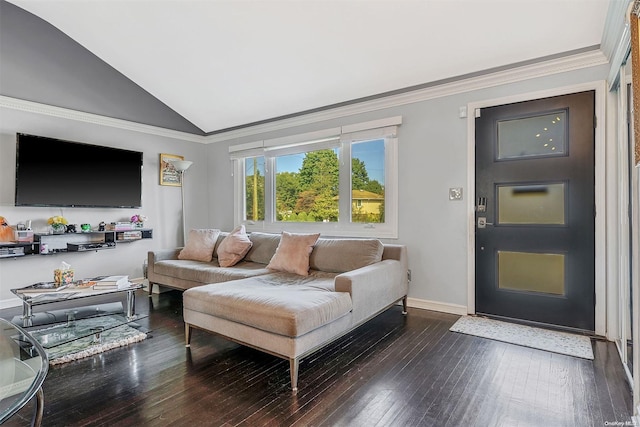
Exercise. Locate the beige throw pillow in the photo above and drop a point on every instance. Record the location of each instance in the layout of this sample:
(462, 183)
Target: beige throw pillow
(234, 247)
(200, 244)
(292, 254)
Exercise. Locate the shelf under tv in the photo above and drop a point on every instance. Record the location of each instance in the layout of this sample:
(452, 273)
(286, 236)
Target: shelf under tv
(71, 242)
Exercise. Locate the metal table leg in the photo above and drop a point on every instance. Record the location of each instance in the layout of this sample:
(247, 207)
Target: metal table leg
(131, 304)
(27, 315)
(38, 411)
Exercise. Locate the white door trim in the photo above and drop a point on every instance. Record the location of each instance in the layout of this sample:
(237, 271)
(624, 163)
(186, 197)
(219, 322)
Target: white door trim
(600, 184)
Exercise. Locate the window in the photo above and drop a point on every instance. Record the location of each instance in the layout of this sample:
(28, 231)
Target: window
(340, 181)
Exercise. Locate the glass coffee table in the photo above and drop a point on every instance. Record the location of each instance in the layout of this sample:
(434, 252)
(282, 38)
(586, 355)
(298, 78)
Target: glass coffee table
(30, 300)
(23, 368)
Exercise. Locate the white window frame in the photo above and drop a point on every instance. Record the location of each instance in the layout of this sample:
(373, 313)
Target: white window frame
(341, 138)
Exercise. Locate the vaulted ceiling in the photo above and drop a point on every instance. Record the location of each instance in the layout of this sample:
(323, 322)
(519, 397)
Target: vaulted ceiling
(228, 63)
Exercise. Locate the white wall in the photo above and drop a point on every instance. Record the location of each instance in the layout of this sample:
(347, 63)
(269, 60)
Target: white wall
(160, 203)
(432, 157)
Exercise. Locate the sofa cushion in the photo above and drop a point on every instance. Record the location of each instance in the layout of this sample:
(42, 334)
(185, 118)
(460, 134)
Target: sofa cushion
(342, 255)
(234, 247)
(221, 237)
(281, 303)
(292, 254)
(210, 272)
(200, 244)
(264, 246)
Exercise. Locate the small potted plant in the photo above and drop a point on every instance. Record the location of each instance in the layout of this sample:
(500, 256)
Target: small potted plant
(138, 220)
(58, 224)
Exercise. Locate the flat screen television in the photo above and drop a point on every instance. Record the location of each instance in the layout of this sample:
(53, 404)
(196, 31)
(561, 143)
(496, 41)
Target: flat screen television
(54, 172)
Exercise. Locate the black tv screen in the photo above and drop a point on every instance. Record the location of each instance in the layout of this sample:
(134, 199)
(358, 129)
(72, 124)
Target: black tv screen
(53, 172)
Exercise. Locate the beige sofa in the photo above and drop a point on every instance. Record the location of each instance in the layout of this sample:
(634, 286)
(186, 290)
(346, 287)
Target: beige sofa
(290, 316)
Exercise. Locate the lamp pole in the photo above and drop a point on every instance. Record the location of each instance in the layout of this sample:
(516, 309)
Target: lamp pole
(181, 167)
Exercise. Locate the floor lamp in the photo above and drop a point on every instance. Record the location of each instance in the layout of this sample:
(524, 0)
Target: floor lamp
(181, 166)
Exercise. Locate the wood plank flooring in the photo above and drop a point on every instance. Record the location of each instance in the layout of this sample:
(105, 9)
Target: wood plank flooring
(394, 371)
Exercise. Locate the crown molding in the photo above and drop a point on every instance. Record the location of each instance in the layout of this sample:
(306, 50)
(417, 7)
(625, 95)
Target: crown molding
(66, 113)
(540, 69)
(438, 90)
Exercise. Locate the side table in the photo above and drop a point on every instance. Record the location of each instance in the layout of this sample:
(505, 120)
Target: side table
(23, 368)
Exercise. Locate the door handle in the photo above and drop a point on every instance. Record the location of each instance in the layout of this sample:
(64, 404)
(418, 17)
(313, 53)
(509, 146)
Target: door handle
(482, 222)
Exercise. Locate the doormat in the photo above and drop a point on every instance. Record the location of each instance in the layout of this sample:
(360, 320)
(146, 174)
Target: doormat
(85, 347)
(527, 336)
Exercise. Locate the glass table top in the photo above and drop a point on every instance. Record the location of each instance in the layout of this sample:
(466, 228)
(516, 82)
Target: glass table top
(75, 329)
(23, 368)
(68, 293)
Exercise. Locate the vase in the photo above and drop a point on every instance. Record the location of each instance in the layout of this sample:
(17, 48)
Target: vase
(138, 224)
(58, 228)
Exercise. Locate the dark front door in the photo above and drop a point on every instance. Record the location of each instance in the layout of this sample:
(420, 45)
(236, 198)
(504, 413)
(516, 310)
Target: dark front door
(535, 208)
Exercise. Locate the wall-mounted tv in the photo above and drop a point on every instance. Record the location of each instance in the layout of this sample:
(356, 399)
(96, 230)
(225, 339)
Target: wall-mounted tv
(54, 172)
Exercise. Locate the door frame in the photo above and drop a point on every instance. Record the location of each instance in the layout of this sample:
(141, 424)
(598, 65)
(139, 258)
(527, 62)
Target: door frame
(600, 194)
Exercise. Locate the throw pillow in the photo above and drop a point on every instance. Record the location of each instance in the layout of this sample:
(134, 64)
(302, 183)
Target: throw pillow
(200, 244)
(234, 247)
(292, 254)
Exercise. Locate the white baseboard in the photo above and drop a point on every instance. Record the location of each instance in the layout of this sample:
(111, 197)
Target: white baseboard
(437, 306)
(10, 303)
(442, 307)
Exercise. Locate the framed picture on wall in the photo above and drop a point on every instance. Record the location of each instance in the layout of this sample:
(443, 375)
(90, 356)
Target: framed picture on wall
(168, 174)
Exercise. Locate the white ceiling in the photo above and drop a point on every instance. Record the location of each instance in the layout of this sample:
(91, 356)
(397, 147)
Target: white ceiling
(227, 63)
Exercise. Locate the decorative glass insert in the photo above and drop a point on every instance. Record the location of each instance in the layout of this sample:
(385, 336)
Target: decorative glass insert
(538, 136)
(531, 272)
(536, 204)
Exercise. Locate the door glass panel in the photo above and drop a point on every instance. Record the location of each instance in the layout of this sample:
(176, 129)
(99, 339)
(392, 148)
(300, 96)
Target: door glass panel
(531, 204)
(531, 272)
(532, 136)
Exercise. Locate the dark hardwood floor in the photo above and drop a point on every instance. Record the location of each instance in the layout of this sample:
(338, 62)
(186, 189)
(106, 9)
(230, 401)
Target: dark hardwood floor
(394, 371)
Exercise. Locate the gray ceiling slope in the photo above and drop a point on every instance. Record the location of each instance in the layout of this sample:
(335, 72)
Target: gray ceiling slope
(224, 64)
(40, 63)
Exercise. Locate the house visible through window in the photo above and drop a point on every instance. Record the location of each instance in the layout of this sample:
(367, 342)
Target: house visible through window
(334, 181)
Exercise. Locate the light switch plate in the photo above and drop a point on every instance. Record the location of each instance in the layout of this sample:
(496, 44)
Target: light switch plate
(455, 193)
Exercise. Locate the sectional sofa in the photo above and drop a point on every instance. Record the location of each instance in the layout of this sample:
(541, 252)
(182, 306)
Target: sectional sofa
(289, 315)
